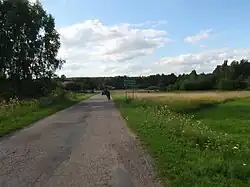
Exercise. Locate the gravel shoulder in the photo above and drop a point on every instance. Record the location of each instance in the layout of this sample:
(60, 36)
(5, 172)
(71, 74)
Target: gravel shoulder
(85, 145)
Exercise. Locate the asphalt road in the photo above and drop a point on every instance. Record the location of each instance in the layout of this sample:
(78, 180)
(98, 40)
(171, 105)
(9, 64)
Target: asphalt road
(85, 145)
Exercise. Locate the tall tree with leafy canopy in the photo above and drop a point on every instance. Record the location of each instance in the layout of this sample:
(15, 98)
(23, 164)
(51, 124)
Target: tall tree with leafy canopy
(29, 42)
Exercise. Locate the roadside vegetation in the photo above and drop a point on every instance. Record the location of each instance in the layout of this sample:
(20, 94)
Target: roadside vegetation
(193, 144)
(17, 114)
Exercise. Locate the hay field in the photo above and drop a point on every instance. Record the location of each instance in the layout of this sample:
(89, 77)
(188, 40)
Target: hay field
(191, 96)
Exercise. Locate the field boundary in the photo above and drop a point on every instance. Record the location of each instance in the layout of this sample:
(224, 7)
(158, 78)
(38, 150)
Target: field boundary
(141, 144)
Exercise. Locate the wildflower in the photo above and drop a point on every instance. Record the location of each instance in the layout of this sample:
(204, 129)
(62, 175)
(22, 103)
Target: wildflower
(235, 148)
(199, 122)
(244, 164)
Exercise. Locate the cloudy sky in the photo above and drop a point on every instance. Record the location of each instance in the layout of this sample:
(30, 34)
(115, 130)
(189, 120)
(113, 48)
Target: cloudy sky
(142, 37)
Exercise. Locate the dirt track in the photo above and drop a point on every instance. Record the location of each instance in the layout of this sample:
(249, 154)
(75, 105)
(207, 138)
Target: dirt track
(85, 145)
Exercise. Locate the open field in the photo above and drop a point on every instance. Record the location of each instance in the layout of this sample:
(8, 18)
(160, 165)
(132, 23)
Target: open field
(188, 101)
(196, 139)
(211, 95)
(17, 114)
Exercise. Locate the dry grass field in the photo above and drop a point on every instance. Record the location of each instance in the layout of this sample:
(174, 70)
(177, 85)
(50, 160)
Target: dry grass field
(193, 96)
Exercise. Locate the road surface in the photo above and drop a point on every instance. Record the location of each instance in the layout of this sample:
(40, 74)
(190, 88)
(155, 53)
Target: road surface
(86, 145)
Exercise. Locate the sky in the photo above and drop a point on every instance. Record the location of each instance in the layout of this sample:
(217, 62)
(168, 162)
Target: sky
(143, 37)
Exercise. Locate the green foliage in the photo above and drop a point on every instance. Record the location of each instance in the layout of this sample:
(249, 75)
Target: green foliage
(153, 88)
(225, 84)
(63, 78)
(206, 147)
(200, 84)
(16, 114)
(84, 83)
(29, 46)
(72, 86)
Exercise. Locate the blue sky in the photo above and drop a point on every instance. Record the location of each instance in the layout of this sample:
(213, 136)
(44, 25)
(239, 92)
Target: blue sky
(216, 27)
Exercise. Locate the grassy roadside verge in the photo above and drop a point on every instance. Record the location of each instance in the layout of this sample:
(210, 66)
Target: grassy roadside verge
(17, 114)
(190, 149)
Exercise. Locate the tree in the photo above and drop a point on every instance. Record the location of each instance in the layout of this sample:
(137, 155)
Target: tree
(29, 43)
(63, 77)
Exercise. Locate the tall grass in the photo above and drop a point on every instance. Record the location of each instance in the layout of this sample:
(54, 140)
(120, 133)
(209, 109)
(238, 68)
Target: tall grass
(198, 95)
(188, 102)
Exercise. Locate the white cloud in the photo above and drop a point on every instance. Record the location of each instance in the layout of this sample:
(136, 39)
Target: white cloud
(198, 37)
(32, 1)
(152, 24)
(204, 61)
(92, 48)
(93, 42)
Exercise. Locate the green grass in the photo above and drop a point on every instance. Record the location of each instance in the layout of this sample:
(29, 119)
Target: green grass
(208, 146)
(19, 114)
(189, 106)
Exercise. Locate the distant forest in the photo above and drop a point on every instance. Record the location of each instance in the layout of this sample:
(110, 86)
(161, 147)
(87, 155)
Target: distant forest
(233, 76)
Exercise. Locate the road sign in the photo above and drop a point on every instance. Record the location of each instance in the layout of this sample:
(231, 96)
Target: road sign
(129, 83)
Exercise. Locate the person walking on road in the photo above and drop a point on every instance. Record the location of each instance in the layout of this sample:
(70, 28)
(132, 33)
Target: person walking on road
(108, 94)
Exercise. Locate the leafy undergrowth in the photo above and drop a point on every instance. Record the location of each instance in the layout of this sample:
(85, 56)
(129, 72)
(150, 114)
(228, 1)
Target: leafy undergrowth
(206, 148)
(17, 114)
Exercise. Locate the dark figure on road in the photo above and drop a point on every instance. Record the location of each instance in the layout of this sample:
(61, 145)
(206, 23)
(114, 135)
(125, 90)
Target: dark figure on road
(108, 94)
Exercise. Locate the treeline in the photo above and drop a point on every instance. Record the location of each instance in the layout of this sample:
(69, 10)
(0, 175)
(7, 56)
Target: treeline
(80, 84)
(233, 76)
(28, 49)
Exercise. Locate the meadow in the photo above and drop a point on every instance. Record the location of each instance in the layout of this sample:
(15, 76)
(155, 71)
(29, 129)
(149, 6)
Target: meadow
(195, 138)
(17, 114)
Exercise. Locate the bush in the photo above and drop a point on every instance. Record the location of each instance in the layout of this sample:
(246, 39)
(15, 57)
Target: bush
(202, 84)
(59, 92)
(26, 88)
(172, 87)
(153, 88)
(72, 86)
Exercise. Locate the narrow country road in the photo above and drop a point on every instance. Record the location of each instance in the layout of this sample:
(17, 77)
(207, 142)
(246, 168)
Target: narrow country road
(86, 145)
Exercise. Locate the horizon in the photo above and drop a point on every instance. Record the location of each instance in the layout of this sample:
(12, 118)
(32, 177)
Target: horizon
(148, 37)
(180, 74)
